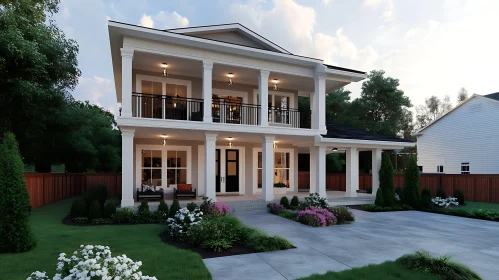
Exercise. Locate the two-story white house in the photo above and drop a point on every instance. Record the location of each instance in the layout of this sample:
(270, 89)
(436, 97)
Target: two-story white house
(217, 107)
(463, 141)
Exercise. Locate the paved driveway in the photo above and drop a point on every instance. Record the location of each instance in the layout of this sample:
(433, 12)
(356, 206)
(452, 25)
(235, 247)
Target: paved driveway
(372, 238)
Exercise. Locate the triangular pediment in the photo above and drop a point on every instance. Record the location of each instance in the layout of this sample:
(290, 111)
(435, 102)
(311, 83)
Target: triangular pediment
(235, 34)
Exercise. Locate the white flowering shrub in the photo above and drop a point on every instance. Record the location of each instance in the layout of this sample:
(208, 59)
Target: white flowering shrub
(444, 202)
(314, 200)
(92, 263)
(183, 220)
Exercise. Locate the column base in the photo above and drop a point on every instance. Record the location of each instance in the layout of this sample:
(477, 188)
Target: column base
(127, 203)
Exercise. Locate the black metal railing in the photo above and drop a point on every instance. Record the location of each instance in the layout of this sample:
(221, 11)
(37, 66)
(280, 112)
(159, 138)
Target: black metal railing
(290, 117)
(166, 107)
(234, 112)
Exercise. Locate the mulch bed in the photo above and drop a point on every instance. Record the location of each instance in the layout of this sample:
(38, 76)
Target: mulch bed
(206, 253)
(356, 207)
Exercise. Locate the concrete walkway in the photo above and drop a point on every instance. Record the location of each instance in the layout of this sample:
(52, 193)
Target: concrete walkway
(372, 238)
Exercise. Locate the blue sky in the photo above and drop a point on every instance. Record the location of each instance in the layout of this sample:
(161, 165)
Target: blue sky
(433, 47)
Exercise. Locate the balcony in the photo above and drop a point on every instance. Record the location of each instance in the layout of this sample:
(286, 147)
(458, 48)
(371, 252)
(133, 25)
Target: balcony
(151, 106)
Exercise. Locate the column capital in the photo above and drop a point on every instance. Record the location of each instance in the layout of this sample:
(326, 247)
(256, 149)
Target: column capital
(320, 76)
(207, 64)
(126, 52)
(268, 138)
(265, 73)
(127, 132)
(210, 136)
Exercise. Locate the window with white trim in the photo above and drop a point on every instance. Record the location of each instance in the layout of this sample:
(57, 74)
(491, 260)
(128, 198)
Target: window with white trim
(465, 168)
(440, 169)
(176, 164)
(151, 167)
(282, 168)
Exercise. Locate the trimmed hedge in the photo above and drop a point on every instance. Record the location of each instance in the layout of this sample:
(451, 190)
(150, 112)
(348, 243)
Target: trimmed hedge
(284, 202)
(175, 207)
(294, 202)
(162, 207)
(144, 207)
(79, 208)
(94, 212)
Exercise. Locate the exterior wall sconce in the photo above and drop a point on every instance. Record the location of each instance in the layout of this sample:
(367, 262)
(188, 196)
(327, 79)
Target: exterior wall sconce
(275, 145)
(164, 139)
(165, 72)
(230, 75)
(230, 141)
(275, 81)
(335, 149)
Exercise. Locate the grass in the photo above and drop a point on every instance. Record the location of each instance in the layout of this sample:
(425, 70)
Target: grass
(480, 205)
(419, 265)
(139, 242)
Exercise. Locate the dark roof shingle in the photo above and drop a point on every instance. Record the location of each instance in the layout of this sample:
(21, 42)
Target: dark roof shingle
(345, 132)
(494, 96)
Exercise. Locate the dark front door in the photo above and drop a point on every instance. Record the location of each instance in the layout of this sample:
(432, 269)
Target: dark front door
(231, 170)
(217, 170)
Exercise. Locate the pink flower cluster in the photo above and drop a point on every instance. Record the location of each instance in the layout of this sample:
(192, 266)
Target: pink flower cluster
(275, 208)
(218, 209)
(316, 217)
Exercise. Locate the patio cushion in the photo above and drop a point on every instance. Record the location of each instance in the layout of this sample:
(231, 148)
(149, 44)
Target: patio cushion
(184, 187)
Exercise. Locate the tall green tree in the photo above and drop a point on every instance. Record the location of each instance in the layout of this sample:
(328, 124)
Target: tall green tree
(412, 196)
(38, 69)
(462, 95)
(15, 232)
(337, 106)
(386, 180)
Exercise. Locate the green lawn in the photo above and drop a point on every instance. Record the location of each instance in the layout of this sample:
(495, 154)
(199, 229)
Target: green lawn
(480, 205)
(139, 242)
(385, 271)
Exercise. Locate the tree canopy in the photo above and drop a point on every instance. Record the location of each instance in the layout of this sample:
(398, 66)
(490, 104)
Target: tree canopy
(38, 71)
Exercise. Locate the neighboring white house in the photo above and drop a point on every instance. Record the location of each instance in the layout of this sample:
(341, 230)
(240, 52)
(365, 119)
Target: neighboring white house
(217, 107)
(463, 141)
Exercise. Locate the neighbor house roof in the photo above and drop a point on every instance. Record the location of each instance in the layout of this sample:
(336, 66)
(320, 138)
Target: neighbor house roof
(345, 132)
(494, 96)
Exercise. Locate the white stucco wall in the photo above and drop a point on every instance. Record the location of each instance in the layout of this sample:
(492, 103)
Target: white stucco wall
(470, 133)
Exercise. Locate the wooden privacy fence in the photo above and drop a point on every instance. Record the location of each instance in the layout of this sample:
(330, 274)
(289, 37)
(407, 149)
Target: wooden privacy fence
(45, 188)
(476, 187)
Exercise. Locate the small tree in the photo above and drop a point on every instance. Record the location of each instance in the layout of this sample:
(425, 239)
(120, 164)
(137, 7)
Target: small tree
(163, 207)
(294, 202)
(284, 202)
(175, 207)
(379, 198)
(15, 232)
(386, 180)
(411, 181)
(144, 207)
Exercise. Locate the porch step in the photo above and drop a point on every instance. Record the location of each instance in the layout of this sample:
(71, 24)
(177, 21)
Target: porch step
(247, 206)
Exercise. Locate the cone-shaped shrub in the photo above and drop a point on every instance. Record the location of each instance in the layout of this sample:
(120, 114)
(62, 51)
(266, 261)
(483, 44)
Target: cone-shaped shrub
(175, 207)
(163, 207)
(426, 198)
(284, 202)
(294, 201)
(15, 208)
(386, 180)
(110, 207)
(191, 206)
(94, 210)
(459, 194)
(144, 207)
(411, 182)
(441, 193)
(79, 208)
(380, 201)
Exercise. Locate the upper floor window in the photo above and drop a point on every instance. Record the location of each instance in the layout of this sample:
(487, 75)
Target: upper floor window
(440, 169)
(465, 168)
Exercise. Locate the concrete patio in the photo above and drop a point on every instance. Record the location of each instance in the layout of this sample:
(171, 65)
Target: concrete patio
(372, 238)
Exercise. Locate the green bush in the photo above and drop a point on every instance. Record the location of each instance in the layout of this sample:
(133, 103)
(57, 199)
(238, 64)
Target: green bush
(96, 192)
(380, 200)
(79, 208)
(175, 207)
(441, 193)
(294, 202)
(205, 206)
(94, 212)
(191, 206)
(144, 207)
(411, 181)
(15, 208)
(376, 208)
(261, 242)
(162, 207)
(459, 194)
(441, 267)
(124, 215)
(386, 174)
(80, 220)
(110, 207)
(102, 221)
(426, 198)
(342, 214)
(217, 233)
(288, 215)
(284, 202)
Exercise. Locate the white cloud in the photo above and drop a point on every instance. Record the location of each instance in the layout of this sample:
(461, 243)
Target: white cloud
(146, 21)
(388, 4)
(326, 2)
(97, 90)
(165, 20)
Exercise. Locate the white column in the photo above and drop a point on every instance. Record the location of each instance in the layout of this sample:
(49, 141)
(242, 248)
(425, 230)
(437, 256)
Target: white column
(263, 97)
(207, 88)
(313, 169)
(376, 159)
(126, 82)
(127, 188)
(320, 170)
(319, 116)
(268, 168)
(210, 140)
(352, 171)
